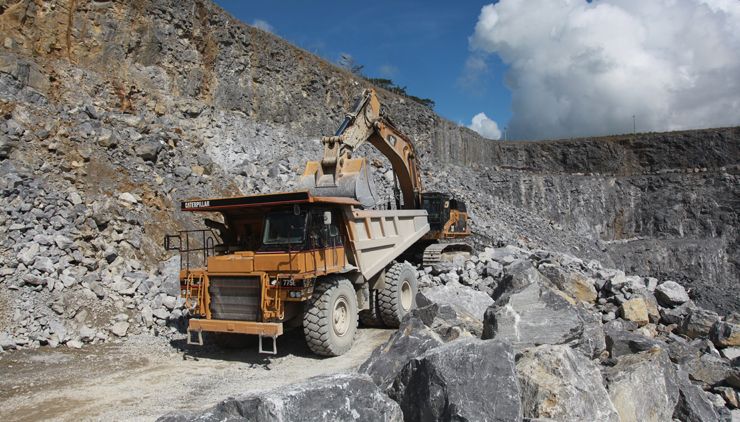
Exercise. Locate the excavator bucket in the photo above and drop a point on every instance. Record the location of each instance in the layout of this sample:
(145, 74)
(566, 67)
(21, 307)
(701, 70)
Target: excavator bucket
(353, 181)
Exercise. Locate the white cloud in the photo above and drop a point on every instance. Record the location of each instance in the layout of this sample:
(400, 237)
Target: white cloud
(263, 25)
(388, 70)
(485, 127)
(471, 78)
(579, 68)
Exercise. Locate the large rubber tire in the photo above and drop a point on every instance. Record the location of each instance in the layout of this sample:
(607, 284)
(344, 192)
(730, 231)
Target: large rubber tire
(371, 317)
(398, 297)
(330, 317)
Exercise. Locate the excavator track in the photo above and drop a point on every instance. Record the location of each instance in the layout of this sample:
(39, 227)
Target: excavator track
(435, 253)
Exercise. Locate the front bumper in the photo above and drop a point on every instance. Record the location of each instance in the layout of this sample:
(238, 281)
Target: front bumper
(266, 329)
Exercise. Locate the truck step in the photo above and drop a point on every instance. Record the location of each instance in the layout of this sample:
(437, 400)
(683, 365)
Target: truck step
(199, 341)
(274, 346)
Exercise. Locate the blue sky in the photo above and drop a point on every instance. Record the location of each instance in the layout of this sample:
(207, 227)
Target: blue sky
(422, 45)
(572, 68)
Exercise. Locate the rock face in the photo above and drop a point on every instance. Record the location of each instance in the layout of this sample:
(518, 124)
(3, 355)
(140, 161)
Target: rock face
(468, 379)
(630, 380)
(326, 399)
(559, 384)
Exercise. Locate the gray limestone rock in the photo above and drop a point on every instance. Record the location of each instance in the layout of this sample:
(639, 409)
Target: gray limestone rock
(697, 323)
(120, 328)
(28, 255)
(413, 338)
(708, 369)
(643, 386)
(461, 298)
(182, 171)
(148, 151)
(518, 275)
(44, 264)
(670, 294)
(620, 342)
(74, 344)
(87, 334)
(559, 383)
(468, 379)
(537, 315)
(726, 333)
(693, 405)
(574, 284)
(6, 341)
(676, 315)
(341, 397)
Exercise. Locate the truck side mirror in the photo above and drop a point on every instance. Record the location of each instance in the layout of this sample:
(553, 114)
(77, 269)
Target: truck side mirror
(327, 218)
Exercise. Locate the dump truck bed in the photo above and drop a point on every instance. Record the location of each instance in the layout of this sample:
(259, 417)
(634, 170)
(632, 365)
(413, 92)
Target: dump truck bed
(378, 237)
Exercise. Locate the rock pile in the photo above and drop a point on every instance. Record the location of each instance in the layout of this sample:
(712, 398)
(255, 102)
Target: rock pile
(70, 267)
(562, 339)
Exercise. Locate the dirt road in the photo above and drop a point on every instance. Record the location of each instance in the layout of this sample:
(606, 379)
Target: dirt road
(146, 377)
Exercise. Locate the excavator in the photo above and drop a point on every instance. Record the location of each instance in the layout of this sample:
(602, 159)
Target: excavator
(338, 174)
(322, 257)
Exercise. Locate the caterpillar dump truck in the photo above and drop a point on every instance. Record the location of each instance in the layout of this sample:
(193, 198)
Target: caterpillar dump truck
(319, 257)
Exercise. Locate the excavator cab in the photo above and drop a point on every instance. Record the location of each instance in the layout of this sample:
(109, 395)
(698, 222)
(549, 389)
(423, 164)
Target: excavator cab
(448, 217)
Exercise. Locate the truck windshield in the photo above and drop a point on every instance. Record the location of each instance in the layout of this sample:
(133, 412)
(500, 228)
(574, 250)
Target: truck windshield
(284, 228)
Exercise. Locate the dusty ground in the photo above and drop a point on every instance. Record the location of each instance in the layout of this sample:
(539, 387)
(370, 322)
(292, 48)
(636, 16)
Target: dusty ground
(147, 376)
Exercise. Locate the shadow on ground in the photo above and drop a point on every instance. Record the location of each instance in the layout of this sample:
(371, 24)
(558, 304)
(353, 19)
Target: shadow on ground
(245, 348)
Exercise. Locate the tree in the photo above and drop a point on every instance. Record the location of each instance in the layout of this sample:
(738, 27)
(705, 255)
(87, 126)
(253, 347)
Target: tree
(348, 62)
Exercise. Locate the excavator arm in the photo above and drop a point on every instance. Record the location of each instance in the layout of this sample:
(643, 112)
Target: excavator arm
(338, 174)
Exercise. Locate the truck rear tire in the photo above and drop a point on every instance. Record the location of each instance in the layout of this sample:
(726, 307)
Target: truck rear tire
(330, 317)
(398, 297)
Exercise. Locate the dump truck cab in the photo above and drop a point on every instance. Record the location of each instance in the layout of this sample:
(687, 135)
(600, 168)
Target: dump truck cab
(274, 258)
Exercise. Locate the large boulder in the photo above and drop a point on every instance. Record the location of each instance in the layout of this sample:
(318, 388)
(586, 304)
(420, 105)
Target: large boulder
(537, 315)
(697, 323)
(635, 310)
(643, 386)
(622, 342)
(670, 294)
(559, 383)
(693, 405)
(331, 398)
(468, 379)
(450, 323)
(574, 284)
(708, 369)
(518, 275)
(676, 315)
(462, 298)
(412, 339)
(726, 333)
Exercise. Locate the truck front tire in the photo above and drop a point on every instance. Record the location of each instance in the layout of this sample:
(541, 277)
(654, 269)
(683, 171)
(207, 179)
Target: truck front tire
(398, 297)
(330, 317)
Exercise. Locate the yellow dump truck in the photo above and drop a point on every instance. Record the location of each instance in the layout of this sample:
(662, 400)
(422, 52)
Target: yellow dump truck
(323, 256)
(296, 258)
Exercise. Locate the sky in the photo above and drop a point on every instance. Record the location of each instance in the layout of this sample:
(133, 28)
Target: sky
(534, 69)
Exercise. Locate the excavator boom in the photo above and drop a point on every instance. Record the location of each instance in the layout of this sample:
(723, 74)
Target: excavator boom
(338, 174)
